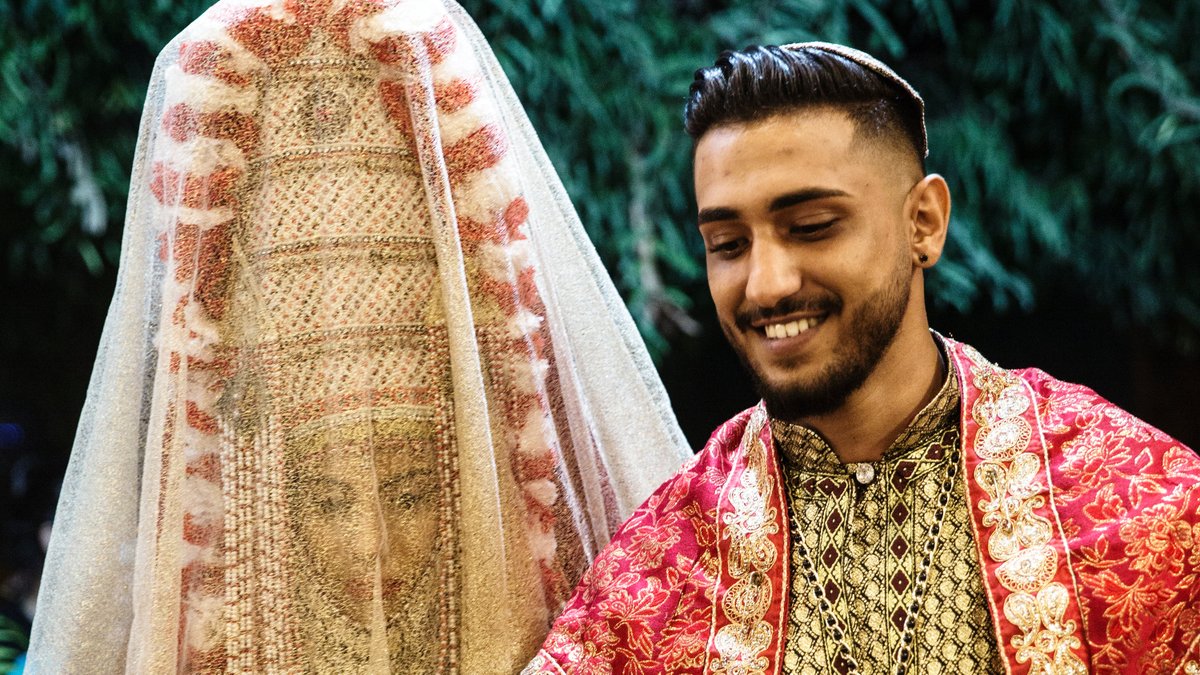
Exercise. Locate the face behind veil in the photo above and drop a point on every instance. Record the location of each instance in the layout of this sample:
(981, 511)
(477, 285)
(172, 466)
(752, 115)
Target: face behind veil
(366, 400)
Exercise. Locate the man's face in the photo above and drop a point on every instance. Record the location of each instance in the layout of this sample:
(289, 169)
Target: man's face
(808, 254)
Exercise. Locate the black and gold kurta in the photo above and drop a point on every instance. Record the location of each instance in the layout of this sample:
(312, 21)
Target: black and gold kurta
(866, 531)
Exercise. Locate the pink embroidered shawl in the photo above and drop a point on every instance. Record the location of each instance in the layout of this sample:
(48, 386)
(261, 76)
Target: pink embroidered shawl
(1085, 518)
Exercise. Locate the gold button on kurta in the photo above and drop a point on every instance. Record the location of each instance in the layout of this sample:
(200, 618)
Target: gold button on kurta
(865, 532)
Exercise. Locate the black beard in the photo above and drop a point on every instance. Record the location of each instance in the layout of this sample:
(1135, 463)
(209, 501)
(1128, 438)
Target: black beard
(872, 329)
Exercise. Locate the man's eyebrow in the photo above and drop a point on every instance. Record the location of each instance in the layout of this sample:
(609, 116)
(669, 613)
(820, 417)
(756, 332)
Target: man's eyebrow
(778, 204)
(806, 195)
(714, 214)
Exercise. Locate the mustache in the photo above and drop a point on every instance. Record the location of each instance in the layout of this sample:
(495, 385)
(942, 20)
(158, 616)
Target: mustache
(827, 303)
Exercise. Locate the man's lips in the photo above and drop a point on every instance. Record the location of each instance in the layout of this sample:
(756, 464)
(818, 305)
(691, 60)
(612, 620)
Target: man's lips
(778, 329)
(790, 317)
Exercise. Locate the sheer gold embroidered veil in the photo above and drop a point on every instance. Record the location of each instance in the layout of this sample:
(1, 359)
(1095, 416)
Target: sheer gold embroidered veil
(366, 399)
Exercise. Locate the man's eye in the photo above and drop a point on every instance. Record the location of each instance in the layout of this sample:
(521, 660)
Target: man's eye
(726, 248)
(812, 230)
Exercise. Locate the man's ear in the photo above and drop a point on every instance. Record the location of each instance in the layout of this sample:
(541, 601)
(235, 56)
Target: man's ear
(929, 218)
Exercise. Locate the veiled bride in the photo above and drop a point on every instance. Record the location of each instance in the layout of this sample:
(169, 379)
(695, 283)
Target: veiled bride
(366, 400)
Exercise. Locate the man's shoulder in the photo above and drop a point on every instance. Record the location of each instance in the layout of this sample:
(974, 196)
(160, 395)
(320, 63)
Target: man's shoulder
(701, 478)
(664, 562)
(1065, 409)
(1068, 410)
(682, 511)
(1092, 446)
(1106, 464)
(726, 439)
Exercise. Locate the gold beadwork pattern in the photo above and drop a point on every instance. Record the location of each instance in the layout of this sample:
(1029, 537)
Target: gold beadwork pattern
(1011, 473)
(748, 528)
(359, 388)
(868, 542)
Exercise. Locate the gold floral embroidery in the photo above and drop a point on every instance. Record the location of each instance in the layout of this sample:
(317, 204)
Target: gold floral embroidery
(1011, 473)
(748, 528)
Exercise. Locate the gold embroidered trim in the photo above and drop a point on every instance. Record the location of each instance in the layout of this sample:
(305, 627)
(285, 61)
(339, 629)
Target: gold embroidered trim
(748, 527)
(1011, 473)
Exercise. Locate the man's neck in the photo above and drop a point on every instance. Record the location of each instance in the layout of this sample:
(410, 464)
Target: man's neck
(905, 381)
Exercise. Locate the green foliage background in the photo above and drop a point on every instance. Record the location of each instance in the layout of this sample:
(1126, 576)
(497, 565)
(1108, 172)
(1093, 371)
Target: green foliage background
(1068, 131)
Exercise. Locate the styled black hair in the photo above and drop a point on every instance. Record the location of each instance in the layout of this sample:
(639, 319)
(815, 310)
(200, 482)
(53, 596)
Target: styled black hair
(762, 81)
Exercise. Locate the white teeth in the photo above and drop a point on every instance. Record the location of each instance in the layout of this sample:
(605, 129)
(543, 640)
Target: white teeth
(790, 329)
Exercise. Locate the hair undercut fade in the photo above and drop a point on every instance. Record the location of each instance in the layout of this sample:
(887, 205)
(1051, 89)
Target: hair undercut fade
(763, 81)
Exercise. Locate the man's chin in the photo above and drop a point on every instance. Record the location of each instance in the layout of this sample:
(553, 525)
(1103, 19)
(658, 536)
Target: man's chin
(797, 396)
(797, 403)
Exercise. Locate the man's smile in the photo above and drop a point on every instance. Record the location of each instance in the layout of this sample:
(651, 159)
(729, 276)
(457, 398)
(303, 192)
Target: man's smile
(778, 330)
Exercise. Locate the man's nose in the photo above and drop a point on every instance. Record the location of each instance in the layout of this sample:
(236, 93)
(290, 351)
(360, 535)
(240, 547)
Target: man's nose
(774, 274)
